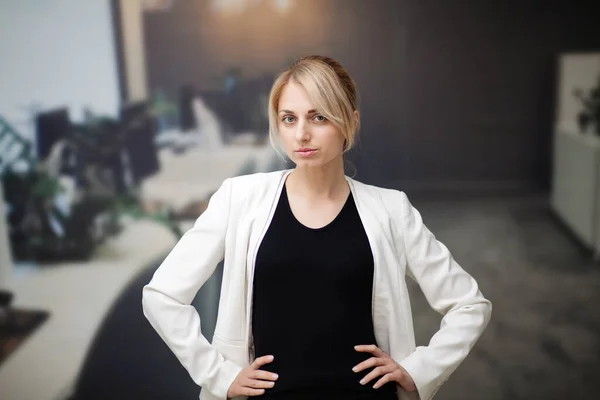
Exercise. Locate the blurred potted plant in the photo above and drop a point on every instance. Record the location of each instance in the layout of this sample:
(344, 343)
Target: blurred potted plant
(589, 118)
(164, 110)
(40, 229)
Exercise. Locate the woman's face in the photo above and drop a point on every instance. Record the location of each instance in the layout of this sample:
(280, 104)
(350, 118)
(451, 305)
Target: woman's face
(310, 140)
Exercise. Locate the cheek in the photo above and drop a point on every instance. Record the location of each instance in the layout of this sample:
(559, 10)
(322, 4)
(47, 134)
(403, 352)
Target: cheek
(286, 135)
(333, 136)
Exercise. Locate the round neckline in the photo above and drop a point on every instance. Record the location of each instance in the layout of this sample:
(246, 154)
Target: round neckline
(326, 226)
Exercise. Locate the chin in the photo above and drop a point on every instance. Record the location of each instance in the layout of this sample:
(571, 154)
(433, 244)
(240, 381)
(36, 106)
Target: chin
(309, 163)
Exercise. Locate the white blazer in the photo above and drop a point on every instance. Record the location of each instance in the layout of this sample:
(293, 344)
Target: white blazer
(232, 228)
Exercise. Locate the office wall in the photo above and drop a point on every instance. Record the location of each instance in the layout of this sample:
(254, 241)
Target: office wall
(454, 94)
(56, 53)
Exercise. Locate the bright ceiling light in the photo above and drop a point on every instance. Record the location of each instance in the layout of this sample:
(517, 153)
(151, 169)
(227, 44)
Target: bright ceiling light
(283, 5)
(243, 5)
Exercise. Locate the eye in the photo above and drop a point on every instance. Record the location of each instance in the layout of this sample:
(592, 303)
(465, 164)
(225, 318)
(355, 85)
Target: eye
(320, 118)
(288, 119)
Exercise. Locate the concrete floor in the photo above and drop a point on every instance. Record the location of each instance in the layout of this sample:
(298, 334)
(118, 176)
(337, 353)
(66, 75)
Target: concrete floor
(543, 341)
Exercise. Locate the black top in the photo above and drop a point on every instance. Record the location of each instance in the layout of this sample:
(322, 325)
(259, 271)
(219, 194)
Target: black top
(312, 304)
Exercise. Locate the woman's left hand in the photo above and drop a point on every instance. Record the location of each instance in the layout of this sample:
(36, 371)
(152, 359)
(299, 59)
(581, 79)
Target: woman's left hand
(384, 365)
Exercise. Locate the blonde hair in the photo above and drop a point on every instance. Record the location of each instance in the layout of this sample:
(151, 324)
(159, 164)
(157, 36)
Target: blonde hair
(329, 87)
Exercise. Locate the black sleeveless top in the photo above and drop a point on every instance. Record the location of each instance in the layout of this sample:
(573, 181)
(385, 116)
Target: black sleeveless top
(312, 301)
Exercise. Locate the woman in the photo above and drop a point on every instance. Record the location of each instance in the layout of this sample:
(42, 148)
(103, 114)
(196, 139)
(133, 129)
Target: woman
(314, 303)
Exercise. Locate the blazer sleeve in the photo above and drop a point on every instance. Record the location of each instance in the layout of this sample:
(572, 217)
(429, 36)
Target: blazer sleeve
(166, 298)
(452, 292)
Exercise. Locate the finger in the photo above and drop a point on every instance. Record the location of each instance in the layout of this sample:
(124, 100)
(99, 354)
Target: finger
(385, 379)
(260, 361)
(369, 348)
(258, 384)
(379, 371)
(263, 375)
(246, 391)
(371, 362)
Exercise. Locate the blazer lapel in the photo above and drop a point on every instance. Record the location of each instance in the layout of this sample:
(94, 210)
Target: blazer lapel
(260, 224)
(374, 234)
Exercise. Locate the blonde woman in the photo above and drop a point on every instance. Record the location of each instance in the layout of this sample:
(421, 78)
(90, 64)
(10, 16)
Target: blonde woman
(314, 303)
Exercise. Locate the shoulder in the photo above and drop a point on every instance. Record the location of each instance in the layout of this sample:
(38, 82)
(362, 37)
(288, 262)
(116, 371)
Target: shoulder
(257, 180)
(247, 188)
(391, 199)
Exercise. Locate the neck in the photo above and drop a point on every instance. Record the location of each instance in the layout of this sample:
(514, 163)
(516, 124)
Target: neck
(319, 182)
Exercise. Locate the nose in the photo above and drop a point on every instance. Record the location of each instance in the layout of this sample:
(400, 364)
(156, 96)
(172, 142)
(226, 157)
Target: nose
(302, 132)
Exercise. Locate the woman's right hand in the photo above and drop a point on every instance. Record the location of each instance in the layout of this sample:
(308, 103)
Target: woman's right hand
(252, 381)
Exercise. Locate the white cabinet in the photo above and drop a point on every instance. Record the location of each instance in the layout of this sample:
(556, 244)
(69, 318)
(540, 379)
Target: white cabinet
(575, 195)
(576, 184)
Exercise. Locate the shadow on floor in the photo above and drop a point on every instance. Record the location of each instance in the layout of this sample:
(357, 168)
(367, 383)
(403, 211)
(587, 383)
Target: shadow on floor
(128, 360)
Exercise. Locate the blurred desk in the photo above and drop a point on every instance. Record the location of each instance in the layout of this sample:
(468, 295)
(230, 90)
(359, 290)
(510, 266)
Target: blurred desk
(78, 296)
(198, 172)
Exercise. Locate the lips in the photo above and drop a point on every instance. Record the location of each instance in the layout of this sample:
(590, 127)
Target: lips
(306, 152)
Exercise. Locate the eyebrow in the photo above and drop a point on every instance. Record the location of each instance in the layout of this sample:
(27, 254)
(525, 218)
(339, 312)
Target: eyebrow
(313, 111)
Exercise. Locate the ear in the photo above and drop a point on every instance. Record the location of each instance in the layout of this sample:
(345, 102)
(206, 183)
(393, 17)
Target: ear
(356, 115)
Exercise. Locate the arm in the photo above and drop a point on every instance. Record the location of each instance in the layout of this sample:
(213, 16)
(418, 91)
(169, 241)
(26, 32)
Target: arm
(452, 292)
(166, 299)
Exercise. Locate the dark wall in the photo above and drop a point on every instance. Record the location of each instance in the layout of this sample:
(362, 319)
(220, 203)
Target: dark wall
(481, 87)
(454, 93)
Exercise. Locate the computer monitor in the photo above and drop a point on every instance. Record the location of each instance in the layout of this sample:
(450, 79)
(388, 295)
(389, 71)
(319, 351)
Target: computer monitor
(51, 126)
(139, 130)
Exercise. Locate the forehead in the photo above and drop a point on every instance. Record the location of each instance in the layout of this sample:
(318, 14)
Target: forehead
(295, 98)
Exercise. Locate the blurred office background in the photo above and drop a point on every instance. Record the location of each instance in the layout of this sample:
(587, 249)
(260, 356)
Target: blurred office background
(119, 119)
